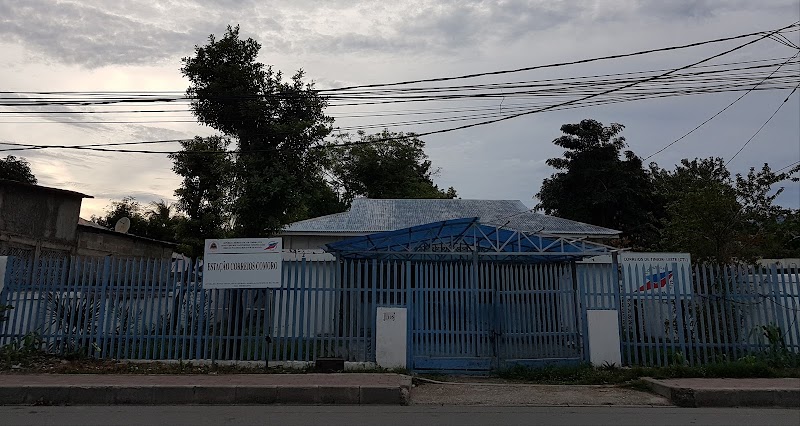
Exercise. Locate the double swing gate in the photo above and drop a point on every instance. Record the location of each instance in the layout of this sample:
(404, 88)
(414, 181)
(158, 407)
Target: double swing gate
(484, 315)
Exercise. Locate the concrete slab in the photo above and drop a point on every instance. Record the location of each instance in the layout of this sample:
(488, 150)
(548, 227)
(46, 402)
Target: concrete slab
(779, 392)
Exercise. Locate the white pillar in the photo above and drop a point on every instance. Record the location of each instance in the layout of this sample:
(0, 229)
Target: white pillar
(604, 337)
(391, 331)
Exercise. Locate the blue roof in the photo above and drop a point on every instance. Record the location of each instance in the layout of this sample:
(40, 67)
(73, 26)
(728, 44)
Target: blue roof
(438, 238)
(368, 215)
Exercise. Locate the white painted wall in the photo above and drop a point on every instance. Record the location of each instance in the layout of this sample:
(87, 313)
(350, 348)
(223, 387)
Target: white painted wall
(604, 336)
(390, 337)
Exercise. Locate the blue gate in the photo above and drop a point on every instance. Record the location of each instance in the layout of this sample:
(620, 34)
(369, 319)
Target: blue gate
(481, 316)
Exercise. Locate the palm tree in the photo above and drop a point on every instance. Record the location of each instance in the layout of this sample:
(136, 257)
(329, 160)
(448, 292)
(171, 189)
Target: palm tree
(161, 221)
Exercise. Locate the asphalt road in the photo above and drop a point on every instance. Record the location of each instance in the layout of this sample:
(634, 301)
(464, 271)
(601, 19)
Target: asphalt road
(371, 415)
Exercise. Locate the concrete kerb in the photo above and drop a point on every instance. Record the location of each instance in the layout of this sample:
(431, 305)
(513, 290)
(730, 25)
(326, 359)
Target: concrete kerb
(205, 394)
(687, 396)
(289, 365)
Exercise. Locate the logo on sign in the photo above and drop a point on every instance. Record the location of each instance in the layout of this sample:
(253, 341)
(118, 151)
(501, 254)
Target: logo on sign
(213, 246)
(659, 280)
(271, 246)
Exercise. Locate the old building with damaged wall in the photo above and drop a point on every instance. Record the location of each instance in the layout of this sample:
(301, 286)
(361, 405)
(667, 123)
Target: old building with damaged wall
(38, 221)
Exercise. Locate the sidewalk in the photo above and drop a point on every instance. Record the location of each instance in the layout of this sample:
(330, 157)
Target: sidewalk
(729, 392)
(99, 389)
(531, 395)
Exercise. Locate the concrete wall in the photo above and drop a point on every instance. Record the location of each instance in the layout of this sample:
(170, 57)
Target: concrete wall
(298, 242)
(38, 214)
(93, 242)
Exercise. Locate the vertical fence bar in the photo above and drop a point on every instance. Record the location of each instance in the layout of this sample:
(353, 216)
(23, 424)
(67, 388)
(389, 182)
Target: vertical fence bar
(749, 296)
(301, 320)
(787, 309)
(778, 307)
(704, 316)
(86, 305)
(794, 284)
(332, 314)
(721, 313)
(680, 293)
(200, 310)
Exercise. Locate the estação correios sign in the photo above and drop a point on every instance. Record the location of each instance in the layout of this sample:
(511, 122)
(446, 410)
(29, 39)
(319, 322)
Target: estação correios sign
(242, 263)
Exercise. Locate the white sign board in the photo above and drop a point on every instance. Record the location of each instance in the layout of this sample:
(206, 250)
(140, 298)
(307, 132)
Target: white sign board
(242, 263)
(656, 272)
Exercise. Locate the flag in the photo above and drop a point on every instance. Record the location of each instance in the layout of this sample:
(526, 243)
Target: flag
(659, 280)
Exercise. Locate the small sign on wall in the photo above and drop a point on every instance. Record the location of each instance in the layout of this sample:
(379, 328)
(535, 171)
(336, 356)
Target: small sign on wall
(391, 330)
(656, 272)
(242, 263)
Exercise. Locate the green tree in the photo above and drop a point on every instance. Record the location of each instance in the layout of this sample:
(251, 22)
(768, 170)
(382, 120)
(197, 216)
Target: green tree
(204, 195)
(158, 222)
(385, 165)
(18, 169)
(594, 184)
(162, 221)
(720, 218)
(274, 122)
(127, 207)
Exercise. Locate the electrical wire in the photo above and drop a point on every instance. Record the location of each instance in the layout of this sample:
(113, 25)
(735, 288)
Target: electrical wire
(763, 125)
(721, 111)
(567, 103)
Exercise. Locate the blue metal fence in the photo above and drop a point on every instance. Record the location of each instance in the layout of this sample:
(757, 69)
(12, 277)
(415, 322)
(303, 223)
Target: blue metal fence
(465, 314)
(709, 313)
(157, 309)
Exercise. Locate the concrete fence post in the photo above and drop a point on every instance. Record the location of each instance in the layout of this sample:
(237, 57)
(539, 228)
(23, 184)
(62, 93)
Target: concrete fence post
(391, 332)
(604, 338)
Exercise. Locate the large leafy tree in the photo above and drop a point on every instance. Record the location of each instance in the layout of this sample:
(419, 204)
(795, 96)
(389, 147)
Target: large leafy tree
(204, 195)
(18, 169)
(385, 165)
(275, 122)
(721, 218)
(598, 183)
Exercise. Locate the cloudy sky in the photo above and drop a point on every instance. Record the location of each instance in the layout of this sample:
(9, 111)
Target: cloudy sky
(136, 45)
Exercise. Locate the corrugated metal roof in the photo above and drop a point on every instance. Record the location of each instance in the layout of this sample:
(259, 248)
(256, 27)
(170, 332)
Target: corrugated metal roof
(372, 215)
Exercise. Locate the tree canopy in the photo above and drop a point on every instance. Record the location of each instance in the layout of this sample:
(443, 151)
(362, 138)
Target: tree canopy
(17, 169)
(717, 217)
(385, 165)
(275, 124)
(205, 193)
(696, 207)
(156, 220)
(599, 184)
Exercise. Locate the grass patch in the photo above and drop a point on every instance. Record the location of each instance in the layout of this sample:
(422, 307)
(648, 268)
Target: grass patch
(586, 374)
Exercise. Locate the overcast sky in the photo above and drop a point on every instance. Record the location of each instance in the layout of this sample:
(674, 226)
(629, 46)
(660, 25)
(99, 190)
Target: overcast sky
(137, 45)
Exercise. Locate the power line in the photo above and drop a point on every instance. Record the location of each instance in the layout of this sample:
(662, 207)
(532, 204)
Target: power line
(763, 125)
(787, 167)
(560, 64)
(607, 91)
(546, 108)
(721, 111)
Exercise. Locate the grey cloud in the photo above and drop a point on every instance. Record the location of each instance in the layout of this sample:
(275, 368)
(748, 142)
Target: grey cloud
(440, 27)
(94, 34)
(703, 9)
(79, 34)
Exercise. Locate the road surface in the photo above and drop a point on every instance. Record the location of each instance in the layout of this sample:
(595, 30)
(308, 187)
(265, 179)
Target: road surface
(391, 415)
